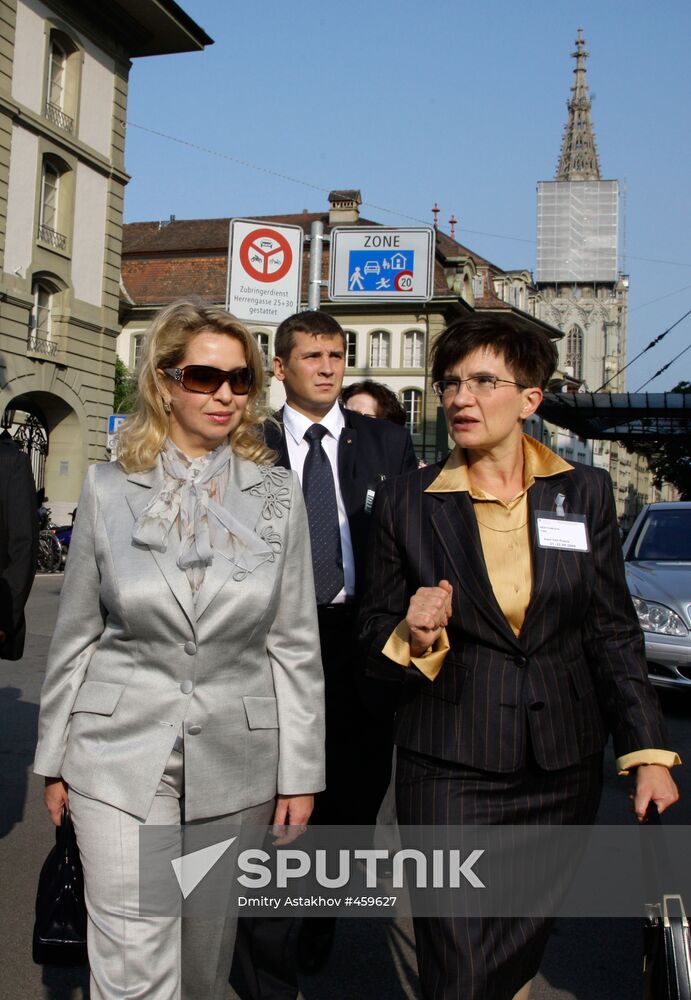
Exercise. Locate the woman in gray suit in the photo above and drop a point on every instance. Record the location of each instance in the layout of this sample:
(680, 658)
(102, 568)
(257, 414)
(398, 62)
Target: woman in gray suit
(184, 680)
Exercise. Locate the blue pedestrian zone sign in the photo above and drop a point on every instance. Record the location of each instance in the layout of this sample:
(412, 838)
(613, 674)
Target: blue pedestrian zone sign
(380, 270)
(114, 421)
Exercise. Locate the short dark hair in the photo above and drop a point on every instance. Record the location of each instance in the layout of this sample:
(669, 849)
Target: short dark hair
(388, 405)
(310, 321)
(529, 353)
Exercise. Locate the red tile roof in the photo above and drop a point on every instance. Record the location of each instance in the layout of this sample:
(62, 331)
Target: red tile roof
(163, 261)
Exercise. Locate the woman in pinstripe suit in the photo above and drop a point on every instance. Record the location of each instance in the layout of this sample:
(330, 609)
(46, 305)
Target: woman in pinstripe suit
(519, 644)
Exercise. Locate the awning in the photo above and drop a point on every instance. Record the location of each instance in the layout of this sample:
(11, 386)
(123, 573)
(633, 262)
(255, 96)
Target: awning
(621, 415)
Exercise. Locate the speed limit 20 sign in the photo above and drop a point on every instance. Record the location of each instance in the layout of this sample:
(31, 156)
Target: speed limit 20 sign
(372, 263)
(264, 269)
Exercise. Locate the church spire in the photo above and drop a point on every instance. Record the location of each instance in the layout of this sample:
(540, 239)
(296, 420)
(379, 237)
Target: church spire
(578, 160)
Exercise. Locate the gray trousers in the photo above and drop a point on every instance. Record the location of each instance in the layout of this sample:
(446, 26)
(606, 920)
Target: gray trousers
(139, 957)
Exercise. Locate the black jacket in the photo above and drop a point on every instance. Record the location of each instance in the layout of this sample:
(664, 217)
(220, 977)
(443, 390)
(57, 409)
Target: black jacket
(370, 453)
(18, 545)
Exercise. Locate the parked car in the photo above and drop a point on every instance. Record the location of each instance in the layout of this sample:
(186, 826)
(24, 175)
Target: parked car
(657, 552)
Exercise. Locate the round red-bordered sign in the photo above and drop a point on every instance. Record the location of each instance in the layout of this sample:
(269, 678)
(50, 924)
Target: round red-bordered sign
(407, 284)
(260, 250)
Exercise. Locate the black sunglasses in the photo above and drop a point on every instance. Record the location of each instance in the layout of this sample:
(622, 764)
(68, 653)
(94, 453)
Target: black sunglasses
(203, 378)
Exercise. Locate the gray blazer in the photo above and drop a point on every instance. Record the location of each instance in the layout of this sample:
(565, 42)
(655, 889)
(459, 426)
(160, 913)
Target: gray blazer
(132, 663)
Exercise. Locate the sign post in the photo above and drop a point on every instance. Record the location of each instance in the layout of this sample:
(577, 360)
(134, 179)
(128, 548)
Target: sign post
(264, 271)
(373, 263)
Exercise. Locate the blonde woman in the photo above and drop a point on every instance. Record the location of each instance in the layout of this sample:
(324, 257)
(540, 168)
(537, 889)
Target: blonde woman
(184, 680)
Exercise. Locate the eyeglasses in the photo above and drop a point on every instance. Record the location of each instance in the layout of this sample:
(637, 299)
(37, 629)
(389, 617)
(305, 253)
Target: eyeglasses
(478, 385)
(203, 378)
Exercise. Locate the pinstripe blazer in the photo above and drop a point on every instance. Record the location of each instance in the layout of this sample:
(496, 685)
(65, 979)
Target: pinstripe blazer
(576, 672)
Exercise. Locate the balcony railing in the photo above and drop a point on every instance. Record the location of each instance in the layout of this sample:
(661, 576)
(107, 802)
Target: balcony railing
(58, 117)
(53, 239)
(41, 346)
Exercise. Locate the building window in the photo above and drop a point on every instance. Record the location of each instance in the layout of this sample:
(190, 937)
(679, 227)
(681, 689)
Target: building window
(574, 352)
(478, 286)
(350, 349)
(62, 81)
(52, 212)
(379, 349)
(40, 337)
(412, 404)
(262, 341)
(138, 347)
(413, 346)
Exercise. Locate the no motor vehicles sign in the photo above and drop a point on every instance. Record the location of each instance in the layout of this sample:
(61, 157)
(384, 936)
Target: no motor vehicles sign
(264, 268)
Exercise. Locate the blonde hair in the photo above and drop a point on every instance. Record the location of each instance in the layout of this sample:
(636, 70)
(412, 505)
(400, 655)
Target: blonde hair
(144, 432)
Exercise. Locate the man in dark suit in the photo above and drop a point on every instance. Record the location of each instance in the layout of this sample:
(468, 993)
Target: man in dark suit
(18, 545)
(342, 460)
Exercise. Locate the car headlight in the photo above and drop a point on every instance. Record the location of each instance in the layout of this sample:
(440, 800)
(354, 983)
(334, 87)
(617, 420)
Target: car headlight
(657, 618)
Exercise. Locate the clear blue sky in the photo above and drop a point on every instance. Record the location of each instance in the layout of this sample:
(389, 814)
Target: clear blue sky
(448, 101)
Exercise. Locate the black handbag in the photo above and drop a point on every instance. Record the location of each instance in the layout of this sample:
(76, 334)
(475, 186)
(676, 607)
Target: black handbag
(666, 945)
(60, 925)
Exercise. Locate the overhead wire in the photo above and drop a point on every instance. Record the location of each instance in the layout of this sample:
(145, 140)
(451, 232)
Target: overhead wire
(664, 368)
(652, 343)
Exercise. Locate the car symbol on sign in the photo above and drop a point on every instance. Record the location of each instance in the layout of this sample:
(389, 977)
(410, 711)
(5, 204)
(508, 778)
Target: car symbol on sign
(266, 244)
(372, 267)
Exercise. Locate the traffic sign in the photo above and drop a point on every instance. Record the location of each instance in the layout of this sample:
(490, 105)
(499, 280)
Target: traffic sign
(115, 420)
(370, 263)
(264, 271)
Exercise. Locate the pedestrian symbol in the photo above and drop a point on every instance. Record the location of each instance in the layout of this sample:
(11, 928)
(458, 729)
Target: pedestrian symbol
(380, 270)
(355, 282)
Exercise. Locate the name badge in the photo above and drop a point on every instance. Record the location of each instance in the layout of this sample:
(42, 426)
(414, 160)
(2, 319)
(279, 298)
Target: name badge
(562, 531)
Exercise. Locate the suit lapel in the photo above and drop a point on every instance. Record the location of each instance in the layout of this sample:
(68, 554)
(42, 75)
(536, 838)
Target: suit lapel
(542, 496)
(140, 489)
(347, 452)
(276, 439)
(455, 525)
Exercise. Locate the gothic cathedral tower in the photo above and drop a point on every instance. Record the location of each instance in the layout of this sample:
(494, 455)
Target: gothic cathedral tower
(582, 291)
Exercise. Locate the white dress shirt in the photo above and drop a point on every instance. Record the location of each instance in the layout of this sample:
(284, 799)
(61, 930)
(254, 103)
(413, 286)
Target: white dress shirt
(298, 448)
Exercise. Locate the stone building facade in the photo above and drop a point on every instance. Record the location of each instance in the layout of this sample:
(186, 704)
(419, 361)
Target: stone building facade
(64, 68)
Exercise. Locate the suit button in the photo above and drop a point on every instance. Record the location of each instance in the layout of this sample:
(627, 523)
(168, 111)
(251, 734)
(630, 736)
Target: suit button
(520, 661)
(194, 730)
(187, 687)
(537, 706)
(190, 647)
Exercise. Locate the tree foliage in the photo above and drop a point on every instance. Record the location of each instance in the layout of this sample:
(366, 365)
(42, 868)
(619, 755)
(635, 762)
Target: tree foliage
(669, 459)
(123, 401)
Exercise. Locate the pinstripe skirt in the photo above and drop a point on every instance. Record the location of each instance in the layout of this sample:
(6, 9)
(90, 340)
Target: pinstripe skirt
(463, 958)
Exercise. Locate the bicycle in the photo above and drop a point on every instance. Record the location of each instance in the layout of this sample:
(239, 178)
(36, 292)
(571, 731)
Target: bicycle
(49, 552)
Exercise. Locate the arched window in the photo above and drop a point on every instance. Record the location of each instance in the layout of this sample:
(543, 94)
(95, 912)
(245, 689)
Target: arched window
(40, 337)
(413, 347)
(379, 352)
(57, 68)
(412, 404)
(574, 351)
(53, 209)
(62, 81)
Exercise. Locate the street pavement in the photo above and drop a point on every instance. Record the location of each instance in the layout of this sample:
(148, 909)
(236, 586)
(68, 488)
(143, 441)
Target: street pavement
(371, 960)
